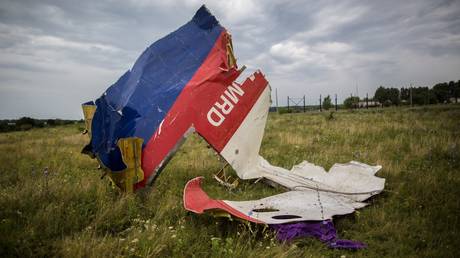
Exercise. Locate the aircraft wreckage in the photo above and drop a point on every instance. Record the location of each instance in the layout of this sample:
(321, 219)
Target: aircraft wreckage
(186, 82)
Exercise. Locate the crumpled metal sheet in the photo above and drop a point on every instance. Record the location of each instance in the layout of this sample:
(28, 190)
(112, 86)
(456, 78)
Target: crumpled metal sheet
(291, 206)
(344, 187)
(186, 82)
(352, 182)
(183, 82)
(242, 153)
(138, 102)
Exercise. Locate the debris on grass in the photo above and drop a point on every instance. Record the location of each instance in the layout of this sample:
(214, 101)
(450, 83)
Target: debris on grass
(187, 82)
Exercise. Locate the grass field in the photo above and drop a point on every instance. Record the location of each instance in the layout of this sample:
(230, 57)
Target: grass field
(73, 213)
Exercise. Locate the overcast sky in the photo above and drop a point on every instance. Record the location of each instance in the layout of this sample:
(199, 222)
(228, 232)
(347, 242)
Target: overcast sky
(55, 55)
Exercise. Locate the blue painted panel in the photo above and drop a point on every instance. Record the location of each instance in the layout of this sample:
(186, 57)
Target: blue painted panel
(136, 104)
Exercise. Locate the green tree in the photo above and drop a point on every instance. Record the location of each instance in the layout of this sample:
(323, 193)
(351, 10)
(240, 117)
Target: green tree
(442, 92)
(327, 103)
(423, 96)
(25, 123)
(389, 96)
(381, 94)
(405, 94)
(51, 122)
(457, 91)
(351, 102)
(393, 96)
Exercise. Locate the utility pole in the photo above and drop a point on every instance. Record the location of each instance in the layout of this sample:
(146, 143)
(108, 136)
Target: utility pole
(367, 101)
(351, 100)
(276, 98)
(288, 102)
(357, 92)
(320, 106)
(335, 102)
(304, 103)
(410, 92)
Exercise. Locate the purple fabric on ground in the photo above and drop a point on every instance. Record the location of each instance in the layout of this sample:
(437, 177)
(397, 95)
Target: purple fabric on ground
(322, 230)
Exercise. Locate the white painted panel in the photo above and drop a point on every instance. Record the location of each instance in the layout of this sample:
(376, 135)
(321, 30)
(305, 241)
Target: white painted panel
(242, 150)
(342, 189)
(293, 206)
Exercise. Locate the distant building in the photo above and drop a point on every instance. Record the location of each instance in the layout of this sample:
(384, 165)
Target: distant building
(370, 103)
(454, 100)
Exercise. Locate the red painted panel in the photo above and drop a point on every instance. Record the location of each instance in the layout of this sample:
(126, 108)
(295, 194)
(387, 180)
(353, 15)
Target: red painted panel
(219, 136)
(192, 106)
(196, 200)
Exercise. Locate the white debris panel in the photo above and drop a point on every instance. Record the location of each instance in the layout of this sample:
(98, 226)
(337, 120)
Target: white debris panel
(315, 194)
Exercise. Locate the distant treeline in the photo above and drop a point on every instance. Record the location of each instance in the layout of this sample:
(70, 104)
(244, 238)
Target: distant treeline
(447, 92)
(27, 123)
(441, 93)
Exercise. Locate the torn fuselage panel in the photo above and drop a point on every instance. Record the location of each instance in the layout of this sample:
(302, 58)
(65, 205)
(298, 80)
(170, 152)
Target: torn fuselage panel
(287, 207)
(184, 80)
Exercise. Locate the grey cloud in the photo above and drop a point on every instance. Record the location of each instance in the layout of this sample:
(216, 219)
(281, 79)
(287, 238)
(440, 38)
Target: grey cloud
(67, 52)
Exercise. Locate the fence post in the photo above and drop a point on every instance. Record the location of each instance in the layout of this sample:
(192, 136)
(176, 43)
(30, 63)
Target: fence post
(276, 98)
(352, 102)
(288, 103)
(304, 103)
(335, 102)
(411, 95)
(320, 106)
(367, 100)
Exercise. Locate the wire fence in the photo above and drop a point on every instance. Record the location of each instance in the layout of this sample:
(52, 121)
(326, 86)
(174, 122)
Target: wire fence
(323, 103)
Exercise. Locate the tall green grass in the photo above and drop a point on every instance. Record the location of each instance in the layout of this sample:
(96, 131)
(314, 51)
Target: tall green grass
(71, 212)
